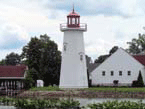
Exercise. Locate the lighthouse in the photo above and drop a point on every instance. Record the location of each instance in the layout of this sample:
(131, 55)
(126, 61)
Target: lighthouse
(73, 66)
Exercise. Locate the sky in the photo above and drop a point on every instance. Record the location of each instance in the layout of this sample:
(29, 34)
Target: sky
(110, 23)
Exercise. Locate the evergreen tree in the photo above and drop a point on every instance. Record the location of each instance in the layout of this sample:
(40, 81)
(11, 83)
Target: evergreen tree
(140, 82)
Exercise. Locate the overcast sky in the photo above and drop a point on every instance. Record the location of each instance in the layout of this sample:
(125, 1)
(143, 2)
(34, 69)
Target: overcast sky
(110, 22)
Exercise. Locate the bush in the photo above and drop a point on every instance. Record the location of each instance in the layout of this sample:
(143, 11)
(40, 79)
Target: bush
(134, 83)
(117, 105)
(139, 82)
(69, 103)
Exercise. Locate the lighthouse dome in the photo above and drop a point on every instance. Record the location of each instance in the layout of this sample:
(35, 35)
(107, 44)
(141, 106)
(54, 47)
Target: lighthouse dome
(73, 20)
(73, 14)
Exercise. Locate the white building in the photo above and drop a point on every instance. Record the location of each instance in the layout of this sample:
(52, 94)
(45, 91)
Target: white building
(120, 66)
(40, 83)
(73, 67)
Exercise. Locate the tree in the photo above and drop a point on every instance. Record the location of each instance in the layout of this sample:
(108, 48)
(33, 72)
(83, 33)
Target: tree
(28, 81)
(140, 82)
(42, 55)
(113, 50)
(12, 59)
(3, 62)
(88, 64)
(102, 58)
(137, 45)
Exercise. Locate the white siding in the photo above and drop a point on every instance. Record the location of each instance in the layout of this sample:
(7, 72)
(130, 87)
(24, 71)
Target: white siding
(119, 61)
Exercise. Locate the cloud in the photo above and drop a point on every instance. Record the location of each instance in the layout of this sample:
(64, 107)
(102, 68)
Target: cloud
(110, 23)
(124, 8)
(12, 36)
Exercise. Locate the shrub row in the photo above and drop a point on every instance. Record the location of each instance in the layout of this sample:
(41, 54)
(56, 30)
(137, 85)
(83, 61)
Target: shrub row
(117, 105)
(39, 103)
(68, 104)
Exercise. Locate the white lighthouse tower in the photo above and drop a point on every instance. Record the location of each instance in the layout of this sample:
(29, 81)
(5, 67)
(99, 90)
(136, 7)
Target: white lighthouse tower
(73, 67)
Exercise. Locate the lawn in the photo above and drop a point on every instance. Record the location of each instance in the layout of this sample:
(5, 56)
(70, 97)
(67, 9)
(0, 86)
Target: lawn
(48, 88)
(95, 89)
(118, 89)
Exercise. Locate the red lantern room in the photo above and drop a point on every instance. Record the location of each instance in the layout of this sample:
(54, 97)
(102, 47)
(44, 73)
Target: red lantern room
(73, 20)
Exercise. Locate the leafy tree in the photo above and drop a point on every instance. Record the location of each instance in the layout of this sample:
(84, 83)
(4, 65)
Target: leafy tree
(28, 81)
(88, 64)
(137, 45)
(88, 61)
(102, 58)
(114, 49)
(13, 59)
(3, 62)
(42, 55)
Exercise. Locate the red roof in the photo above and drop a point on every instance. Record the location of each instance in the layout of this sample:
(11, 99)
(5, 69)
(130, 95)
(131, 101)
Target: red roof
(140, 58)
(12, 71)
(73, 14)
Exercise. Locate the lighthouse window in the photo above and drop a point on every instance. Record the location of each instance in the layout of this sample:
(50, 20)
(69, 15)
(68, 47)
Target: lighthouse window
(64, 46)
(77, 21)
(73, 20)
(69, 20)
(81, 57)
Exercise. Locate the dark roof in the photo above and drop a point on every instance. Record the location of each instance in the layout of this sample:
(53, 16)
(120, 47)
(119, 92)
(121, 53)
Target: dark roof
(93, 66)
(12, 71)
(140, 58)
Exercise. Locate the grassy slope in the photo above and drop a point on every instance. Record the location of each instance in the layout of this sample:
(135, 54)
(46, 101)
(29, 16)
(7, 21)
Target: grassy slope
(95, 89)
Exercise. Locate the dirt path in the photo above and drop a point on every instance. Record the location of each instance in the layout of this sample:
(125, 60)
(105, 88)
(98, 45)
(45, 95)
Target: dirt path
(79, 94)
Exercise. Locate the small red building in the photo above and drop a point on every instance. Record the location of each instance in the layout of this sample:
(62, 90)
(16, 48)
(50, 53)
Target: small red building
(12, 77)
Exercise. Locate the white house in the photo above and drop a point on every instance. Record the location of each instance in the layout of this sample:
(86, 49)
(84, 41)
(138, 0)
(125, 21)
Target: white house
(120, 66)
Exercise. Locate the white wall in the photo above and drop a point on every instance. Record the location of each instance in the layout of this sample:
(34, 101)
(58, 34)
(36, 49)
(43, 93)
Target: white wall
(73, 70)
(119, 61)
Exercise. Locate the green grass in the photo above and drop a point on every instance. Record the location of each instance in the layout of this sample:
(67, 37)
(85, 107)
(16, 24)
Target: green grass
(95, 89)
(48, 88)
(118, 89)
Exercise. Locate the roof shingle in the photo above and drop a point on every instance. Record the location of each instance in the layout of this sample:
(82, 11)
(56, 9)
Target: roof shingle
(12, 71)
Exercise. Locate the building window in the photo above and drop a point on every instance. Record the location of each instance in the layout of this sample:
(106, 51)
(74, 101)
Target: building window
(103, 73)
(129, 73)
(120, 73)
(112, 73)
